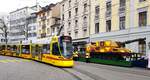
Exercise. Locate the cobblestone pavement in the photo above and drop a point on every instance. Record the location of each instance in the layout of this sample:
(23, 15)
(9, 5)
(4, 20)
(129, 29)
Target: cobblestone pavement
(20, 69)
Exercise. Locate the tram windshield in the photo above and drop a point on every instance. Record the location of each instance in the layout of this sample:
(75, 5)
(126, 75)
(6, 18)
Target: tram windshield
(66, 47)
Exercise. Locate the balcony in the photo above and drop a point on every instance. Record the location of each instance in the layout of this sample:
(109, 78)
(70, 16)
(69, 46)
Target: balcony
(122, 9)
(108, 13)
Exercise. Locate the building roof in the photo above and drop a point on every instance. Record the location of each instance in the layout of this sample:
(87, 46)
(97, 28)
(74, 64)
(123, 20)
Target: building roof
(46, 8)
(19, 9)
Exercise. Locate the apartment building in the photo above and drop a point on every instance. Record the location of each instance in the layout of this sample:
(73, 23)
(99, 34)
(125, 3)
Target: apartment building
(32, 27)
(19, 23)
(48, 21)
(75, 20)
(124, 20)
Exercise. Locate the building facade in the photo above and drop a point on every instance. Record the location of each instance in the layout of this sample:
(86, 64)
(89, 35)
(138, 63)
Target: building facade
(19, 23)
(124, 20)
(48, 21)
(32, 27)
(75, 20)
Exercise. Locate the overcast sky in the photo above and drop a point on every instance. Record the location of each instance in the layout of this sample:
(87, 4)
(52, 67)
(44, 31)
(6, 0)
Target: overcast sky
(7, 6)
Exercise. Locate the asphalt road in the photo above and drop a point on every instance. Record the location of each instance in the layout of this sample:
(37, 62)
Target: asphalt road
(21, 69)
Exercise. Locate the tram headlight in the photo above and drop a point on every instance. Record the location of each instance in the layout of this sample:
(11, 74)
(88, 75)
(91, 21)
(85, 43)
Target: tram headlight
(122, 51)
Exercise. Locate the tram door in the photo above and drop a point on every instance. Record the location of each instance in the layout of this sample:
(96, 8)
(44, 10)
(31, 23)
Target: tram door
(45, 49)
(33, 51)
(14, 49)
(18, 51)
(39, 52)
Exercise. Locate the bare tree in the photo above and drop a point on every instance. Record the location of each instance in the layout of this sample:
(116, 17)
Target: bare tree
(4, 29)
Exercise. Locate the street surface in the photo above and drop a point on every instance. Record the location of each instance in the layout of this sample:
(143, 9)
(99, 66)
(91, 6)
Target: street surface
(20, 69)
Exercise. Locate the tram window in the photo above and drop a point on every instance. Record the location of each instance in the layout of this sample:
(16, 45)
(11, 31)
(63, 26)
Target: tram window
(33, 49)
(55, 49)
(18, 49)
(26, 49)
(14, 48)
(46, 48)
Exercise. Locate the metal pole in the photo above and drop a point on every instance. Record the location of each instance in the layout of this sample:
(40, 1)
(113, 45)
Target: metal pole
(89, 20)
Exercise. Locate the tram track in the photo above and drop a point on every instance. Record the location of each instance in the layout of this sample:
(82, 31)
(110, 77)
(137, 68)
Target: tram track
(94, 77)
(75, 76)
(80, 74)
(119, 69)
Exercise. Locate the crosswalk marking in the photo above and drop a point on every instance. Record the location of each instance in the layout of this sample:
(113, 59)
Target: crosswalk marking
(13, 60)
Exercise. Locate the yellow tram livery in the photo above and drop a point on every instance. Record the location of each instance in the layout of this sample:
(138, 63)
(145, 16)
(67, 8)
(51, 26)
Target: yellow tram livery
(57, 51)
(60, 52)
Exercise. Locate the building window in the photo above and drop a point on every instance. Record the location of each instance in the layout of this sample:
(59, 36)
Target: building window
(53, 30)
(108, 9)
(96, 28)
(57, 29)
(84, 33)
(85, 7)
(122, 23)
(122, 7)
(76, 34)
(48, 30)
(142, 0)
(76, 23)
(63, 17)
(47, 13)
(142, 47)
(97, 13)
(69, 24)
(122, 3)
(108, 26)
(143, 18)
(85, 21)
(69, 34)
(63, 7)
(69, 3)
(47, 21)
(97, 10)
(108, 6)
(76, 11)
(69, 14)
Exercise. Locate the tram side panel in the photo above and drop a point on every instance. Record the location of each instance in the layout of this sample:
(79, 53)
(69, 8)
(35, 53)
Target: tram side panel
(25, 51)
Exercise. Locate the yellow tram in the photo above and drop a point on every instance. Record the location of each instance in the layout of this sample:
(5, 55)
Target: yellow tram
(57, 51)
